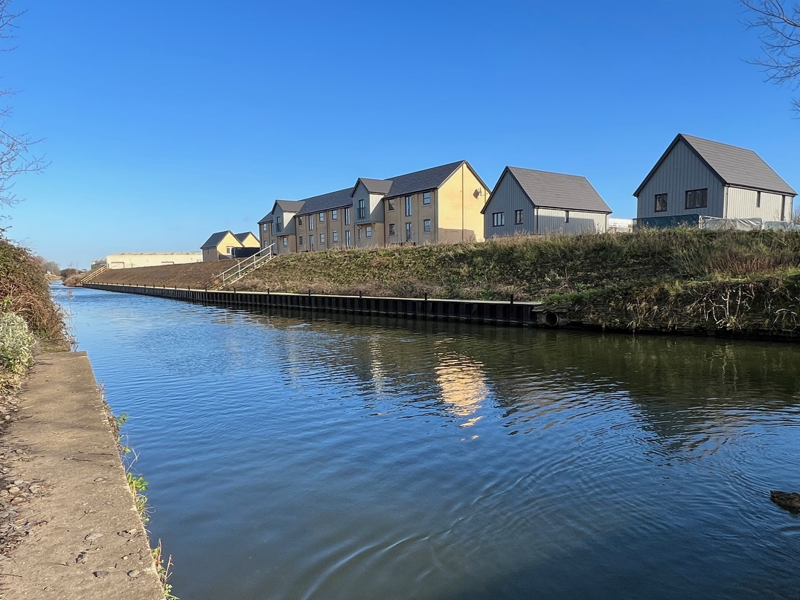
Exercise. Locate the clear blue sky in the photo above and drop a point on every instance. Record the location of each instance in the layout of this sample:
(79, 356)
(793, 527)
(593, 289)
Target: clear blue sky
(167, 121)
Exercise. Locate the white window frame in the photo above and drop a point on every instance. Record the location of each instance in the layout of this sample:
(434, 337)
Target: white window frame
(426, 225)
(426, 198)
(409, 205)
(335, 215)
(368, 231)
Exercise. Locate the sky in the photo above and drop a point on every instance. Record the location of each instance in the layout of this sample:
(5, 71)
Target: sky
(164, 122)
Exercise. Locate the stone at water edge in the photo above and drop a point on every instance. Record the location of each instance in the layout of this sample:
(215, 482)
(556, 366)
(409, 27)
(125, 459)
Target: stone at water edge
(787, 500)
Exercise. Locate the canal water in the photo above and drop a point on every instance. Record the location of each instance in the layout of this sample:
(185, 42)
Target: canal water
(292, 457)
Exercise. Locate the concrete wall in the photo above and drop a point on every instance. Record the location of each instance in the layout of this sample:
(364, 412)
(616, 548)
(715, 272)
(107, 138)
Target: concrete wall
(681, 170)
(131, 260)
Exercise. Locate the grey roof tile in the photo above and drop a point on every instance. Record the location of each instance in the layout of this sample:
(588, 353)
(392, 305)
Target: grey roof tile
(374, 186)
(420, 181)
(331, 200)
(215, 239)
(243, 236)
(558, 190)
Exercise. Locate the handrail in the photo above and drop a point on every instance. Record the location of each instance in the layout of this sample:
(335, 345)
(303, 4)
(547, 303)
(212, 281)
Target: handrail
(242, 267)
(92, 274)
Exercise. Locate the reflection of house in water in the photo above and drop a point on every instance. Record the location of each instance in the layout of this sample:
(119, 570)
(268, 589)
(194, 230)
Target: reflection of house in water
(462, 385)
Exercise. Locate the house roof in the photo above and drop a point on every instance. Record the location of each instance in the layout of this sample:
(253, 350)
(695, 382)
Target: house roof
(267, 218)
(289, 205)
(419, 181)
(337, 199)
(374, 186)
(555, 190)
(243, 236)
(215, 239)
(731, 164)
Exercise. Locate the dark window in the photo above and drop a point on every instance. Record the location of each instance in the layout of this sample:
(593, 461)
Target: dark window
(362, 209)
(697, 198)
(278, 224)
(335, 236)
(368, 229)
(518, 217)
(391, 204)
(426, 198)
(392, 230)
(335, 215)
(426, 225)
(300, 241)
(498, 219)
(408, 206)
(299, 220)
(408, 232)
(322, 217)
(758, 199)
(311, 222)
(347, 216)
(661, 202)
(566, 216)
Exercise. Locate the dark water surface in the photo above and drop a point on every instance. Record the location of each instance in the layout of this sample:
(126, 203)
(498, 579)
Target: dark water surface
(291, 458)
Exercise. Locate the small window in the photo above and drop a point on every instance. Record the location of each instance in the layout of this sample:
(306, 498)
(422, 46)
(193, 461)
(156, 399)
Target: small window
(369, 231)
(408, 206)
(392, 230)
(426, 198)
(300, 241)
(408, 232)
(335, 215)
(321, 238)
(758, 199)
(697, 198)
(566, 216)
(229, 250)
(299, 220)
(279, 223)
(362, 209)
(335, 236)
(322, 217)
(518, 217)
(391, 204)
(285, 241)
(661, 203)
(426, 225)
(498, 219)
(347, 216)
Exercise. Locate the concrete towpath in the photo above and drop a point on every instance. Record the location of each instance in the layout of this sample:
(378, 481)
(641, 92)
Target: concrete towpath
(84, 538)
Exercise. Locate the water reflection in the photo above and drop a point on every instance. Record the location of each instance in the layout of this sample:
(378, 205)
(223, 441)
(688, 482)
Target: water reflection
(292, 457)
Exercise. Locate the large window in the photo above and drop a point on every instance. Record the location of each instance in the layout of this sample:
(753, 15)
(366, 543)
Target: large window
(392, 230)
(348, 239)
(362, 209)
(697, 198)
(310, 240)
(279, 223)
(661, 202)
(498, 219)
(426, 198)
(311, 223)
(408, 206)
(347, 216)
(408, 232)
(518, 217)
(426, 225)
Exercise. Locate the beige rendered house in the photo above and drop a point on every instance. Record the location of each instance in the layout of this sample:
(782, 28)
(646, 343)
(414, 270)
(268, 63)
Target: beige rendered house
(223, 244)
(441, 204)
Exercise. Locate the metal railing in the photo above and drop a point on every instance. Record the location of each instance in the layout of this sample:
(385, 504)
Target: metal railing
(94, 273)
(244, 266)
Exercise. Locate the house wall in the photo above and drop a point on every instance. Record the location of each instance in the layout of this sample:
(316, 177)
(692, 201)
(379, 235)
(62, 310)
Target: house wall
(287, 222)
(460, 200)
(374, 205)
(508, 197)
(285, 244)
(250, 242)
(265, 233)
(131, 260)
(551, 221)
(329, 226)
(742, 204)
(419, 212)
(220, 252)
(681, 171)
(362, 241)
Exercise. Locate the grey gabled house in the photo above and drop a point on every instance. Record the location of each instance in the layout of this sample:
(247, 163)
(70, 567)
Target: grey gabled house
(526, 201)
(697, 177)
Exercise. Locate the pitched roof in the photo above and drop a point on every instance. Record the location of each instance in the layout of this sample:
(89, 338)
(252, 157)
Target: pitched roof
(337, 199)
(731, 164)
(419, 181)
(267, 218)
(215, 239)
(555, 190)
(289, 205)
(243, 236)
(374, 186)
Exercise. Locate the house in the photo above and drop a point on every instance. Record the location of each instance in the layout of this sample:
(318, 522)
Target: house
(526, 201)
(221, 244)
(441, 204)
(697, 177)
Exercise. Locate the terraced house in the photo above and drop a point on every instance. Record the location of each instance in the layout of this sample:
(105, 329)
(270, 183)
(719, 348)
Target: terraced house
(441, 204)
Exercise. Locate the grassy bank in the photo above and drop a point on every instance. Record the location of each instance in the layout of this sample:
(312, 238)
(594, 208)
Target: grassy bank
(660, 280)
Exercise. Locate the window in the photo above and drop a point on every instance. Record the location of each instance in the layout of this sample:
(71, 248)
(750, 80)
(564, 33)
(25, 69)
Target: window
(426, 198)
(498, 219)
(758, 199)
(321, 238)
(661, 202)
(362, 209)
(369, 231)
(347, 216)
(518, 217)
(335, 236)
(300, 241)
(392, 230)
(310, 240)
(311, 223)
(265, 227)
(279, 223)
(335, 215)
(347, 239)
(391, 204)
(408, 206)
(697, 198)
(566, 216)
(426, 225)
(408, 232)
(285, 241)
(359, 232)
(322, 217)
(229, 250)
(299, 220)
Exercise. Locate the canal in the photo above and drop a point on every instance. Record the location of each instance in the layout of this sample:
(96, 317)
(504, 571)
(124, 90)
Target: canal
(342, 458)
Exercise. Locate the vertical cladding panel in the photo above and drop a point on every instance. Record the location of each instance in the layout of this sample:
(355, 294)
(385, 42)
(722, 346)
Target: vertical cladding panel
(507, 198)
(553, 221)
(744, 204)
(681, 171)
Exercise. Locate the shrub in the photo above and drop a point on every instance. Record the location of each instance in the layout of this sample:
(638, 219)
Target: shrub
(16, 344)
